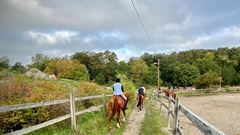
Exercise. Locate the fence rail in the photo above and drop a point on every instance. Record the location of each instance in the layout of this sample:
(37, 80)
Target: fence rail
(53, 121)
(44, 103)
(72, 115)
(200, 123)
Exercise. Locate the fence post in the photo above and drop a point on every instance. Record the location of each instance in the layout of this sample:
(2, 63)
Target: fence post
(169, 110)
(72, 109)
(161, 102)
(104, 103)
(176, 117)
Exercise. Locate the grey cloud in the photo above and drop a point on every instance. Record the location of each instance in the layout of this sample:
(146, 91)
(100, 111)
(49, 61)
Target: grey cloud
(172, 25)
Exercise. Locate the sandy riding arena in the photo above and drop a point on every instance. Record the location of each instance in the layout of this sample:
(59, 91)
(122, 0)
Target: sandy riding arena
(222, 111)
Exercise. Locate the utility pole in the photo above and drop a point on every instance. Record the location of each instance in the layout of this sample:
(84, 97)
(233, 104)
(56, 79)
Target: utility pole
(158, 74)
(220, 79)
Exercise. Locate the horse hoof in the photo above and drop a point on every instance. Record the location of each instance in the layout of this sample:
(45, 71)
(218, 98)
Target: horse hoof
(124, 120)
(118, 125)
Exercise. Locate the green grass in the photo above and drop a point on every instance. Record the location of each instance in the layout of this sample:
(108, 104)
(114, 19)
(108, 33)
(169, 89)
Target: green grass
(95, 123)
(153, 122)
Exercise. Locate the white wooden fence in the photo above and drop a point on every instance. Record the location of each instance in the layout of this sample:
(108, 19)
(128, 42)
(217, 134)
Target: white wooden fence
(173, 112)
(72, 115)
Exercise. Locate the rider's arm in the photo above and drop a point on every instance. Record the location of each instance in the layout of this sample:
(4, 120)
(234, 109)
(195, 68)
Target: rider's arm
(122, 88)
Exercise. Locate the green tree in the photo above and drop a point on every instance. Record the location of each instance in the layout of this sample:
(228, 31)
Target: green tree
(110, 59)
(207, 79)
(204, 59)
(122, 68)
(39, 61)
(138, 70)
(206, 65)
(151, 77)
(4, 63)
(102, 64)
(237, 81)
(185, 75)
(191, 55)
(100, 78)
(19, 68)
(83, 57)
(229, 75)
(167, 74)
(148, 58)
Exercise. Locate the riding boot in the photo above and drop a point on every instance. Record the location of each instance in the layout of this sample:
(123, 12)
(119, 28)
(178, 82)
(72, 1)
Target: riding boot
(125, 105)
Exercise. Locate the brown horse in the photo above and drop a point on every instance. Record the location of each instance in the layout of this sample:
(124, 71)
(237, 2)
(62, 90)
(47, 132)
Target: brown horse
(174, 94)
(140, 101)
(169, 93)
(116, 104)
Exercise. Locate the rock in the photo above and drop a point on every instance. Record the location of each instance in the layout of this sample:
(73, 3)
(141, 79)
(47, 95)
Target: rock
(52, 77)
(32, 72)
(40, 75)
(37, 74)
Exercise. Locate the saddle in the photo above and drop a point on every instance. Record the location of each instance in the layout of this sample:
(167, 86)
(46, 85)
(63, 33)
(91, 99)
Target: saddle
(121, 98)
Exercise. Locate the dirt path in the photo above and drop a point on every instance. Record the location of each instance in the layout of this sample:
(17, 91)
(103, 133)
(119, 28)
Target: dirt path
(222, 111)
(134, 122)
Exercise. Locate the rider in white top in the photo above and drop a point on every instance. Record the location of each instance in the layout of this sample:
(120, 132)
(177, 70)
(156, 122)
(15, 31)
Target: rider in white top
(118, 91)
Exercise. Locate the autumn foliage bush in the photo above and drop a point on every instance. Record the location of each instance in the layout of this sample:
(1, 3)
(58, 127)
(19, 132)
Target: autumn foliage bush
(70, 69)
(17, 89)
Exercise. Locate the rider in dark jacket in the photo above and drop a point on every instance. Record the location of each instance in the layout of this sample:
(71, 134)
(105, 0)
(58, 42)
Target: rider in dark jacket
(141, 91)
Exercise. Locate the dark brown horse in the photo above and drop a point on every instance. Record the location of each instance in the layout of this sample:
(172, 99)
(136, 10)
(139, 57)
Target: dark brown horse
(140, 101)
(116, 105)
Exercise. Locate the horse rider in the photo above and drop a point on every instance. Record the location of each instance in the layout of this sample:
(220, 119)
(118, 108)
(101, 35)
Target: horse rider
(141, 91)
(118, 91)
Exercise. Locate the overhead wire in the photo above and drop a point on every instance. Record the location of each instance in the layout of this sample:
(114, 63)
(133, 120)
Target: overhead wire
(141, 23)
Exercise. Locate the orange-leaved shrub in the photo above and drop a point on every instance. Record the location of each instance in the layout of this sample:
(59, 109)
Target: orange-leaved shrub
(17, 89)
(69, 69)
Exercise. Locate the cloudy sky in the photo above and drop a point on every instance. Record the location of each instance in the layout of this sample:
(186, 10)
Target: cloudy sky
(59, 28)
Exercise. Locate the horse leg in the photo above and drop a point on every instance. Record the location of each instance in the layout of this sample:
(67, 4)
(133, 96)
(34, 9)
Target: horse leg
(118, 118)
(138, 103)
(111, 114)
(124, 116)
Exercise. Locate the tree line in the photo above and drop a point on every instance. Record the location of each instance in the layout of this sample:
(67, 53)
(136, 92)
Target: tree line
(201, 68)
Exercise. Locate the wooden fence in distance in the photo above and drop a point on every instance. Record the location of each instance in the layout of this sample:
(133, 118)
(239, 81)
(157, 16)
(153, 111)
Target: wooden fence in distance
(72, 115)
(173, 112)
